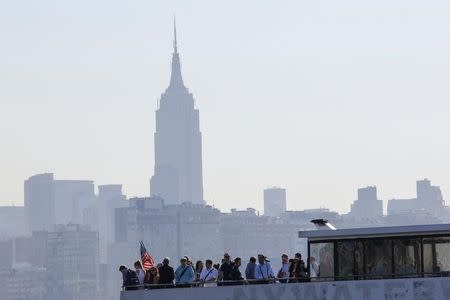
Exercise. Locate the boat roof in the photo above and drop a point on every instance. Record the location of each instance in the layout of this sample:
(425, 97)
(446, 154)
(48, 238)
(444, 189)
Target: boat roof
(374, 232)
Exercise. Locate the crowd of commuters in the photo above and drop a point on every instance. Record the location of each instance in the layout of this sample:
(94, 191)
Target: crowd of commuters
(207, 274)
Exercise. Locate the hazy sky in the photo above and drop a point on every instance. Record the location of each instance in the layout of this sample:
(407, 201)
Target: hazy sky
(319, 97)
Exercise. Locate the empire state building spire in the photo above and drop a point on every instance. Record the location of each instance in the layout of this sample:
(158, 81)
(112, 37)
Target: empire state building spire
(176, 81)
(175, 49)
(178, 173)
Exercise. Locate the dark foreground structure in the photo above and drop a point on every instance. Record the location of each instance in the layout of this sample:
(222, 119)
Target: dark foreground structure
(418, 288)
(405, 262)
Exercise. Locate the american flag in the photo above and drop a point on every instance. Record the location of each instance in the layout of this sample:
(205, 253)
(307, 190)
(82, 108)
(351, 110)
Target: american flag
(147, 259)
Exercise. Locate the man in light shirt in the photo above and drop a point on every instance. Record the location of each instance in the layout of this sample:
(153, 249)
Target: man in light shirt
(184, 275)
(313, 267)
(263, 270)
(209, 274)
(139, 272)
(283, 273)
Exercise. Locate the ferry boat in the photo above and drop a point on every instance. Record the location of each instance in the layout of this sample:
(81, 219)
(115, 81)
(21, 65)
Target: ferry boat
(401, 262)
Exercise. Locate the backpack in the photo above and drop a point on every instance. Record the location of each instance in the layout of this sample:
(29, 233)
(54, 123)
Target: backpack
(132, 278)
(301, 269)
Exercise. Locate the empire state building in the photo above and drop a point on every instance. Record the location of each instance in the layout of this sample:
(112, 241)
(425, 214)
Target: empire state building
(178, 142)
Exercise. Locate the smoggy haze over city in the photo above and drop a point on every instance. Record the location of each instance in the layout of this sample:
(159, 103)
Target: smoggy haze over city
(318, 97)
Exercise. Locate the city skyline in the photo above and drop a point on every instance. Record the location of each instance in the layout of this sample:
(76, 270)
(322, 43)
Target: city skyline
(265, 122)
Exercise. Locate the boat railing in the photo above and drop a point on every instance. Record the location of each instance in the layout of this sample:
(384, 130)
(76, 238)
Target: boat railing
(197, 284)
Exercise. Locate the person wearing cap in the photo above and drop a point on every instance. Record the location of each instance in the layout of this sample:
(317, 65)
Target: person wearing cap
(263, 270)
(184, 275)
(225, 269)
(188, 260)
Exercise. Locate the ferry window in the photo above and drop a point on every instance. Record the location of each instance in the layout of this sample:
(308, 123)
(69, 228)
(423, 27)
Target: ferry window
(406, 256)
(443, 254)
(323, 255)
(345, 258)
(436, 252)
(359, 259)
(350, 259)
(428, 256)
(378, 253)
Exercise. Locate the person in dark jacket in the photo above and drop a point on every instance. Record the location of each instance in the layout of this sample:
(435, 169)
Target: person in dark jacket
(250, 270)
(166, 273)
(300, 270)
(225, 270)
(236, 275)
(129, 278)
(292, 270)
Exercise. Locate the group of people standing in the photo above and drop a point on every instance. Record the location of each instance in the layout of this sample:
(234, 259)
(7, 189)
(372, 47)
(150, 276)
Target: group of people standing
(207, 274)
(162, 274)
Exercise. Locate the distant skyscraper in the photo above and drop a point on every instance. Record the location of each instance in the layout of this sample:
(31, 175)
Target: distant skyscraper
(169, 230)
(274, 202)
(14, 222)
(178, 143)
(429, 200)
(49, 201)
(110, 197)
(40, 202)
(72, 197)
(429, 195)
(367, 206)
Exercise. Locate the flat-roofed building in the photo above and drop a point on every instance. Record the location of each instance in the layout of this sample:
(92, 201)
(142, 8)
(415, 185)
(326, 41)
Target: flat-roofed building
(13, 221)
(428, 206)
(39, 198)
(367, 206)
(274, 201)
(169, 230)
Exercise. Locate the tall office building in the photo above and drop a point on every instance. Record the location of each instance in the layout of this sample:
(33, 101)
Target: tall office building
(49, 202)
(169, 230)
(72, 197)
(72, 263)
(13, 221)
(178, 143)
(244, 233)
(428, 203)
(274, 202)
(39, 201)
(429, 195)
(367, 206)
(22, 282)
(110, 197)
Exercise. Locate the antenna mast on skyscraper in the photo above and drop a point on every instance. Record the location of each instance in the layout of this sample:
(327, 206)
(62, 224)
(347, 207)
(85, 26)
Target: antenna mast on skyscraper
(175, 34)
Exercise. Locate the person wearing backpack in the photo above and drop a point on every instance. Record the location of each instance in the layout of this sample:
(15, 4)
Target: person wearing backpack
(129, 277)
(300, 272)
(184, 275)
(236, 275)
